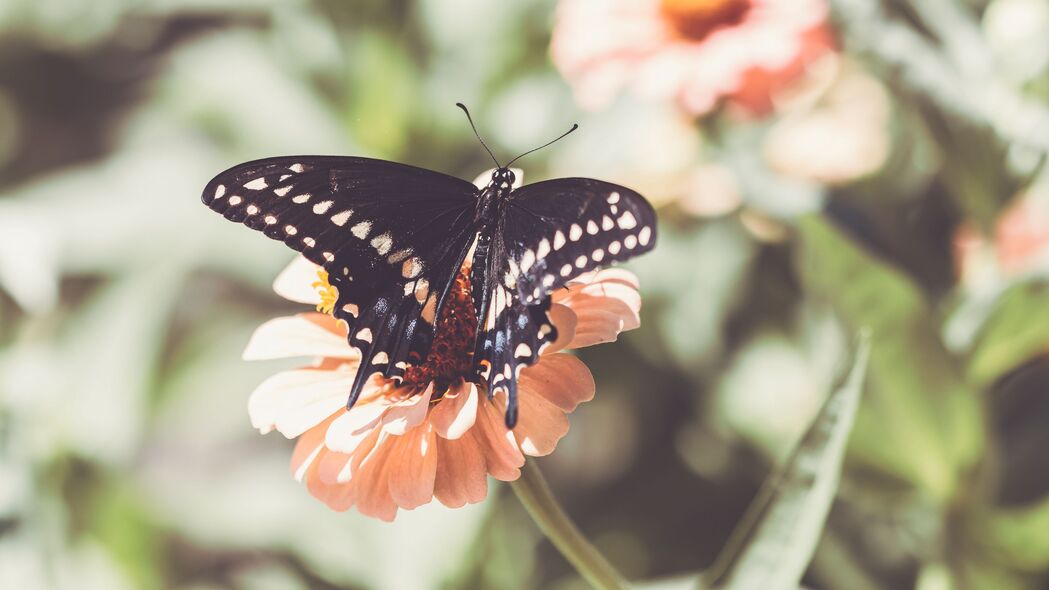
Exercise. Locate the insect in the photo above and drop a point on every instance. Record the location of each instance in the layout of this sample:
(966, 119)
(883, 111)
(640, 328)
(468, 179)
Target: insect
(393, 238)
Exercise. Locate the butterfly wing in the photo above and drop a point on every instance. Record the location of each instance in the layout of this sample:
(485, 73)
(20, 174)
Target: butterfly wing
(550, 232)
(391, 237)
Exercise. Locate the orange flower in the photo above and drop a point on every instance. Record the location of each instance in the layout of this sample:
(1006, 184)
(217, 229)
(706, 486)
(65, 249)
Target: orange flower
(434, 435)
(696, 52)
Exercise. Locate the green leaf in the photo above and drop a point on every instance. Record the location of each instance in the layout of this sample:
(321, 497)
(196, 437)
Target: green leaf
(779, 533)
(1017, 329)
(921, 421)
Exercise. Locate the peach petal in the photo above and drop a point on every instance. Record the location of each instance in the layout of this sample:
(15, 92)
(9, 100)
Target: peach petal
(336, 496)
(413, 467)
(456, 412)
(372, 481)
(307, 449)
(502, 455)
(565, 321)
(348, 430)
(407, 414)
(561, 379)
(608, 305)
(461, 476)
(294, 401)
(540, 425)
(300, 335)
(295, 282)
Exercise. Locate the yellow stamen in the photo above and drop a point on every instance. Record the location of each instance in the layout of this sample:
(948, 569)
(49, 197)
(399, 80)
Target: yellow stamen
(328, 293)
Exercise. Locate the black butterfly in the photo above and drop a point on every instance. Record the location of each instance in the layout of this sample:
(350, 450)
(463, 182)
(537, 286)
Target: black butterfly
(393, 237)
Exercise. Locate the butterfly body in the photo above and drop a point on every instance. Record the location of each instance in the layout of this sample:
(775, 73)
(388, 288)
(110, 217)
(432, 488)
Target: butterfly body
(394, 238)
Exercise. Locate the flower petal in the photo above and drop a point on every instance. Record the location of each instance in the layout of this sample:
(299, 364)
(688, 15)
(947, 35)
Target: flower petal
(539, 426)
(336, 496)
(371, 481)
(606, 305)
(294, 401)
(461, 475)
(354, 425)
(295, 282)
(456, 412)
(503, 458)
(308, 448)
(565, 321)
(306, 334)
(407, 414)
(413, 467)
(561, 379)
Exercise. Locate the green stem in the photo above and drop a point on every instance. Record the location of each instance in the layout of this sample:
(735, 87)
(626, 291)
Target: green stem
(533, 491)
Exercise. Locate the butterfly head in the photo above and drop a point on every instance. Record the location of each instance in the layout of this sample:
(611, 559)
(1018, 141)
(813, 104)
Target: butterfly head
(502, 179)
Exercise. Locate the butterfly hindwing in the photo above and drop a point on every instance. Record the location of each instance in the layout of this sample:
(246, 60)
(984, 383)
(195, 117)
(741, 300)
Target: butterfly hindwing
(390, 236)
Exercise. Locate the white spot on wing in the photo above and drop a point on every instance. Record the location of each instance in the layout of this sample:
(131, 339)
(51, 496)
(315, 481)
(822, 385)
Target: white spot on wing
(257, 184)
(351, 309)
(607, 223)
(364, 335)
(310, 242)
(235, 200)
(566, 270)
(300, 199)
(220, 190)
(527, 259)
(429, 312)
(381, 358)
(645, 235)
(614, 248)
(613, 198)
(411, 268)
(559, 240)
(543, 249)
(523, 350)
(322, 207)
(283, 190)
(296, 168)
(382, 243)
(252, 209)
(580, 262)
(591, 227)
(598, 255)
(575, 232)
(361, 229)
(422, 289)
(399, 256)
(630, 242)
(340, 219)
(290, 230)
(627, 221)
(328, 256)
(548, 281)
(270, 220)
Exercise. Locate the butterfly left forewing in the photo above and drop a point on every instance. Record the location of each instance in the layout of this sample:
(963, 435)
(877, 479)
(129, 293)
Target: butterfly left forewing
(390, 236)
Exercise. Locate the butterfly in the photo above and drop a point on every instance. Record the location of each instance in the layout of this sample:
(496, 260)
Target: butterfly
(393, 238)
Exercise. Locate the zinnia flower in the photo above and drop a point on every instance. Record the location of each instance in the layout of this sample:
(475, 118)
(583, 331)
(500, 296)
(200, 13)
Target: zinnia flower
(1020, 241)
(434, 434)
(697, 52)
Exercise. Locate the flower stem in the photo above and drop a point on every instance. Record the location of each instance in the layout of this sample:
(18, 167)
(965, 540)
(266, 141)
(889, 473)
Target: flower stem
(532, 490)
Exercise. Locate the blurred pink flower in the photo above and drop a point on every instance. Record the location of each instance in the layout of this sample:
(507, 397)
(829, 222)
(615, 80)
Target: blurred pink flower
(1020, 240)
(434, 434)
(697, 52)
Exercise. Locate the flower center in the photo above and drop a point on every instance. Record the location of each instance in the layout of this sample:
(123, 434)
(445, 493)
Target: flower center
(329, 294)
(451, 355)
(695, 19)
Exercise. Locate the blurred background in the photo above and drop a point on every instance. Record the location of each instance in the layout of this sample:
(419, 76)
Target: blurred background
(817, 167)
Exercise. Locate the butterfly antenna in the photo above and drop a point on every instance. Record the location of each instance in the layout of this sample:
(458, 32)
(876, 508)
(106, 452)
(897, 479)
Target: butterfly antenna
(474, 127)
(574, 127)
